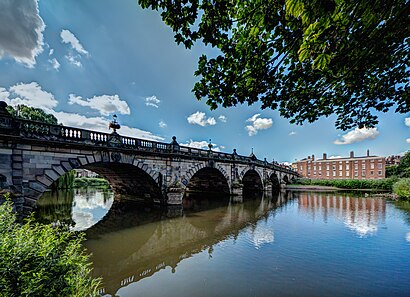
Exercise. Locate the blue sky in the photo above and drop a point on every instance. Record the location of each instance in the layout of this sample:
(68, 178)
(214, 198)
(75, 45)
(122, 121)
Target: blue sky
(84, 60)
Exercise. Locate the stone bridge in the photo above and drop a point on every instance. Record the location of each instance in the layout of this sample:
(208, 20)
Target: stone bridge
(33, 155)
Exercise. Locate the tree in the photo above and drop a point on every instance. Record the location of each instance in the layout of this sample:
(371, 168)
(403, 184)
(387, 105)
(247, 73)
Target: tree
(403, 169)
(308, 59)
(32, 113)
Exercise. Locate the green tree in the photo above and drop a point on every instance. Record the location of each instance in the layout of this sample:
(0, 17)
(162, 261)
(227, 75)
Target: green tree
(403, 169)
(32, 113)
(41, 260)
(308, 59)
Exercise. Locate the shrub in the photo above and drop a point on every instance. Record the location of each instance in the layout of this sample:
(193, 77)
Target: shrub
(41, 260)
(380, 184)
(402, 188)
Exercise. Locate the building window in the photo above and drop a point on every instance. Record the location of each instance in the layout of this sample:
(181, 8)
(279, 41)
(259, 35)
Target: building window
(380, 166)
(371, 165)
(380, 172)
(327, 167)
(347, 167)
(347, 173)
(356, 166)
(320, 173)
(356, 173)
(340, 167)
(372, 172)
(327, 173)
(363, 166)
(363, 173)
(334, 167)
(314, 167)
(320, 167)
(340, 173)
(334, 173)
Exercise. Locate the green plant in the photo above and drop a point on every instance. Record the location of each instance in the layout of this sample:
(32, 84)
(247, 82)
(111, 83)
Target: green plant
(402, 188)
(65, 181)
(42, 260)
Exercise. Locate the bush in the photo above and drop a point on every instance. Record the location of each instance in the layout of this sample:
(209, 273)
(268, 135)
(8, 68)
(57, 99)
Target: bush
(402, 188)
(379, 184)
(84, 182)
(40, 260)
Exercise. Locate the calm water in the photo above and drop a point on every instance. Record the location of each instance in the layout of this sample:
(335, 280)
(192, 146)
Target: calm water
(293, 244)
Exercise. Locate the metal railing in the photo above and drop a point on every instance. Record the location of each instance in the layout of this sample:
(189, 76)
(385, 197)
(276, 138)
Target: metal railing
(38, 130)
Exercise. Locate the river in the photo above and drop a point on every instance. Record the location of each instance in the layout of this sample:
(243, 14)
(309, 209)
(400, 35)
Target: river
(289, 244)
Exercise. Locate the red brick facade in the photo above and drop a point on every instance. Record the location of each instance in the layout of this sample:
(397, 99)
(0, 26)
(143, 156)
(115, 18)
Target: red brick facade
(367, 167)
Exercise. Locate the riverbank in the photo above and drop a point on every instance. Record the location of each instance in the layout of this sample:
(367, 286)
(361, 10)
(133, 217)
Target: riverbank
(84, 182)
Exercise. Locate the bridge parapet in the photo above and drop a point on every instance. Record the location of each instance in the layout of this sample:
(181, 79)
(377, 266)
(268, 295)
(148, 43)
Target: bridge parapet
(33, 130)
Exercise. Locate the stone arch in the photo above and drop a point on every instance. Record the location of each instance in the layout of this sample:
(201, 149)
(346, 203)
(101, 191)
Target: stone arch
(99, 162)
(252, 181)
(285, 179)
(275, 182)
(207, 179)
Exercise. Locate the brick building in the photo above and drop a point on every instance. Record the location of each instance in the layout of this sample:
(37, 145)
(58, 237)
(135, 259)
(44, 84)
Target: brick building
(366, 167)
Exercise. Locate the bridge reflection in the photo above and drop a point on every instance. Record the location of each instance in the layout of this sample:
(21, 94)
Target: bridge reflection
(165, 236)
(362, 215)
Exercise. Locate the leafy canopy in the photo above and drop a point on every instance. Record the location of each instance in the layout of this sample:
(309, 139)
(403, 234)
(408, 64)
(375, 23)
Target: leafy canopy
(32, 113)
(307, 59)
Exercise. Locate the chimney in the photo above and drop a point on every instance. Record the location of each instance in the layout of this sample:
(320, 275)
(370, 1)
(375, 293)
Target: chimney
(324, 156)
(313, 157)
(352, 154)
(308, 157)
(368, 152)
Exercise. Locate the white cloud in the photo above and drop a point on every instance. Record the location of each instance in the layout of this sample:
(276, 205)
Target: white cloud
(30, 94)
(54, 63)
(292, 133)
(201, 145)
(357, 135)
(199, 118)
(105, 104)
(51, 51)
(74, 60)
(222, 118)
(162, 124)
(4, 95)
(101, 124)
(407, 122)
(258, 124)
(334, 157)
(21, 31)
(152, 101)
(408, 140)
(69, 38)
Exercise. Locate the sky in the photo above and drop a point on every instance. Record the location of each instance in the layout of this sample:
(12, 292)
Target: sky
(85, 60)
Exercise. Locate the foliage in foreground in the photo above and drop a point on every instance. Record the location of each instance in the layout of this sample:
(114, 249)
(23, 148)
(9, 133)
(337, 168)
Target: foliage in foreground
(379, 184)
(308, 59)
(41, 260)
(402, 188)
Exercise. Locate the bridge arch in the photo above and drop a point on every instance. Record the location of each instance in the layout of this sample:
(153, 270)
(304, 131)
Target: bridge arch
(208, 179)
(125, 176)
(285, 179)
(275, 182)
(252, 182)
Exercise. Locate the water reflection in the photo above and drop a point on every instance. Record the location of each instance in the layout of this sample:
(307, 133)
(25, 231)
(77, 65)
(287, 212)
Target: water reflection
(261, 246)
(77, 208)
(164, 239)
(361, 215)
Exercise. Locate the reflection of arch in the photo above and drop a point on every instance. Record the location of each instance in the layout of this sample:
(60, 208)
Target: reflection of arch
(252, 182)
(208, 179)
(275, 182)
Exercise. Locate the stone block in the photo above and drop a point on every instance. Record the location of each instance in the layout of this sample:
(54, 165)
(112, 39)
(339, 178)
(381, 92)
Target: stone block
(59, 169)
(44, 180)
(90, 159)
(83, 161)
(53, 175)
(37, 186)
